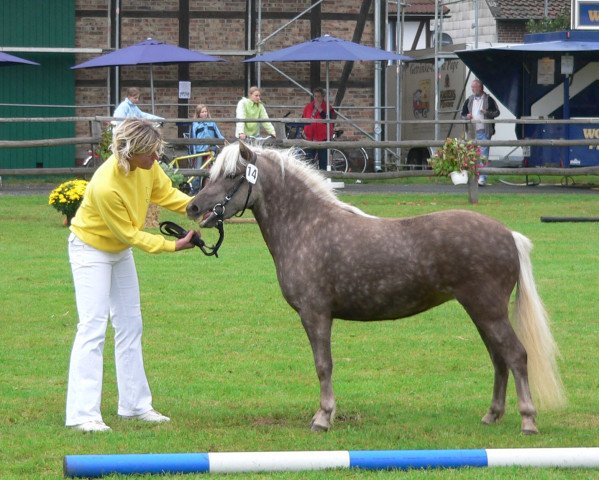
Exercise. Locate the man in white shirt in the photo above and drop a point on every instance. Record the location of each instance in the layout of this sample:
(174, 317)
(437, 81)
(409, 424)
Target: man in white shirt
(480, 106)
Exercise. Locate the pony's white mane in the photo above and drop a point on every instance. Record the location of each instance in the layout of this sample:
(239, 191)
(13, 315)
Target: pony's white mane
(229, 160)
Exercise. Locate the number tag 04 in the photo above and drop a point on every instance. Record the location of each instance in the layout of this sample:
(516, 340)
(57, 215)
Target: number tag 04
(251, 173)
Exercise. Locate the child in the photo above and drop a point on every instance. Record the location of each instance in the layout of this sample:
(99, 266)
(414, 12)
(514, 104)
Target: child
(203, 128)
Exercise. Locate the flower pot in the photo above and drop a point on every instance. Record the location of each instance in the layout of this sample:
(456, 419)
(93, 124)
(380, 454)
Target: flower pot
(459, 178)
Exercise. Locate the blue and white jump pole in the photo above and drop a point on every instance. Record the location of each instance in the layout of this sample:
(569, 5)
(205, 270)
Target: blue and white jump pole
(93, 466)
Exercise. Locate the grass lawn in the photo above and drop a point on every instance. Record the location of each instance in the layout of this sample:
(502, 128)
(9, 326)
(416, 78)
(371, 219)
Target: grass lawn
(228, 360)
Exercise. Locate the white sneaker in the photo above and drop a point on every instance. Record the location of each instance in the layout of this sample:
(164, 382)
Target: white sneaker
(92, 426)
(149, 416)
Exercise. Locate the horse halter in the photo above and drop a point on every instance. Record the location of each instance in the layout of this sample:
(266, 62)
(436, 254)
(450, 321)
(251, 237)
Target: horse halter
(174, 230)
(219, 208)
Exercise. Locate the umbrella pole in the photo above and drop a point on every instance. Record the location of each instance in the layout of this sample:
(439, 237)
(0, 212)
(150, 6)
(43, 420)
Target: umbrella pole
(328, 117)
(152, 86)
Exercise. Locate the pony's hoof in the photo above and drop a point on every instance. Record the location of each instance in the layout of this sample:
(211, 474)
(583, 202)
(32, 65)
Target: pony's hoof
(317, 427)
(529, 427)
(320, 423)
(490, 418)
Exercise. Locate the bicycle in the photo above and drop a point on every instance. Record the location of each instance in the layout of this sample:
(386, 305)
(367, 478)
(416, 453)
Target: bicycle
(193, 184)
(337, 158)
(360, 160)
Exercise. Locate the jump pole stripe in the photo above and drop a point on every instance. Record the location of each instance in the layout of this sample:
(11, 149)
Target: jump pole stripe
(94, 466)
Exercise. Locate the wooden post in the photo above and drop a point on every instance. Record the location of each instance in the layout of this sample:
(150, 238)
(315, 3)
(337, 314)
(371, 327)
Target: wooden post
(96, 128)
(279, 130)
(472, 188)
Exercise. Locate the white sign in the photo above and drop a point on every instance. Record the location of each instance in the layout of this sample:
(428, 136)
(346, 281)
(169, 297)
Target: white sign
(251, 173)
(546, 71)
(567, 64)
(185, 90)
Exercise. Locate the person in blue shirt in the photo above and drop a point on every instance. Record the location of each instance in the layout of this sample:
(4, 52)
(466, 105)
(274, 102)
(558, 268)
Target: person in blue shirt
(202, 127)
(128, 108)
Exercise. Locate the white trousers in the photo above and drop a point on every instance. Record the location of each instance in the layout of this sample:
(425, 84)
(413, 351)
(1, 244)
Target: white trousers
(106, 286)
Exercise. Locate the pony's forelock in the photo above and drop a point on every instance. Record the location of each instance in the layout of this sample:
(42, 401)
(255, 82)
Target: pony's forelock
(226, 161)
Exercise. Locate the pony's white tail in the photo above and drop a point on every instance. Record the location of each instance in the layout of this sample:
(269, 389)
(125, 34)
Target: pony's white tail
(531, 323)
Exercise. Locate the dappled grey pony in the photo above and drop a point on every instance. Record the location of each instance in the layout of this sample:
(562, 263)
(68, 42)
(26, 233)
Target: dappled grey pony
(394, 268)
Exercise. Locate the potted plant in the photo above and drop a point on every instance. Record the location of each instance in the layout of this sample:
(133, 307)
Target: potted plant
(456, 158)
(104, 149)
(67, 197)
(173, 173)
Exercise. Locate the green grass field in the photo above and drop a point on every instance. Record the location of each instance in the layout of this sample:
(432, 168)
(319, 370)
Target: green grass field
(228, 360)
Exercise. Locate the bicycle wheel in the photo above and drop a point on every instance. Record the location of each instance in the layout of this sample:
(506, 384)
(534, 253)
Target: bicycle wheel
(338, 161)
(300, 153)
(361, 160)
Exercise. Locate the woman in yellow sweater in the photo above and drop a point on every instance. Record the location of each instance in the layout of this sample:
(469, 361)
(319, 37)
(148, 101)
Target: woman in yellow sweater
(107, 224)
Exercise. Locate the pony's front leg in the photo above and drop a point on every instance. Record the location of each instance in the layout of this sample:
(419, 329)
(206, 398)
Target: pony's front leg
(318, 328)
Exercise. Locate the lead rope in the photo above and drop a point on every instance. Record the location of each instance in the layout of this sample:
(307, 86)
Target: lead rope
(171, 229)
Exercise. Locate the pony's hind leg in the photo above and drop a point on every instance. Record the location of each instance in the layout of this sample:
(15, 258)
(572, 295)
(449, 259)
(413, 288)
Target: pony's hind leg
(497, 408)
(506, 352)
(318, 328)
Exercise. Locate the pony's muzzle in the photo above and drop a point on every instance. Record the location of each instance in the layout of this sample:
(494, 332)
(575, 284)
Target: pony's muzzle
(193, 212)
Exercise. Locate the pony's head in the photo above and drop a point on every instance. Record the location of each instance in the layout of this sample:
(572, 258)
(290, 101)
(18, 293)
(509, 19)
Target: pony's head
(227, 190)
(234, 184)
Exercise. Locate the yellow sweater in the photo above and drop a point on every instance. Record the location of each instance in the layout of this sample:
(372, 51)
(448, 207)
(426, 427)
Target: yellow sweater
(114, 207)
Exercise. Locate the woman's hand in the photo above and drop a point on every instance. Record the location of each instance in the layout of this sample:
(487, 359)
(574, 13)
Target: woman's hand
(185, 242)
(242, 136)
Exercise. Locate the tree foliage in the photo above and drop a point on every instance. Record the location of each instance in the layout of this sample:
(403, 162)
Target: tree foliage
(556, 24)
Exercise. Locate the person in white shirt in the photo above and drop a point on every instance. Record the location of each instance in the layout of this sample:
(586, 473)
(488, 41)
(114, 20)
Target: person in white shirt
(128, 108)
(480, 106)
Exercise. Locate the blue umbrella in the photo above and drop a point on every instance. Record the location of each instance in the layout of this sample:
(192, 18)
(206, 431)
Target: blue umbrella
(148, 52)
(6, 59)
(327, 49)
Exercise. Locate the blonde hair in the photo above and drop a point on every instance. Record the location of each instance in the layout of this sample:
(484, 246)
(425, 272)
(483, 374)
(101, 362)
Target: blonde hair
(253, 89)
(199, 109)
(135, 136)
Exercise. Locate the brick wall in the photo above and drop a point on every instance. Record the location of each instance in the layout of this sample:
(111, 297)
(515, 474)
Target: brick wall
(217, 26)
(511, 31)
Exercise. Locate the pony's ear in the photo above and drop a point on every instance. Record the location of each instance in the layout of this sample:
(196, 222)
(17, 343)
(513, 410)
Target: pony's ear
(247, 153)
